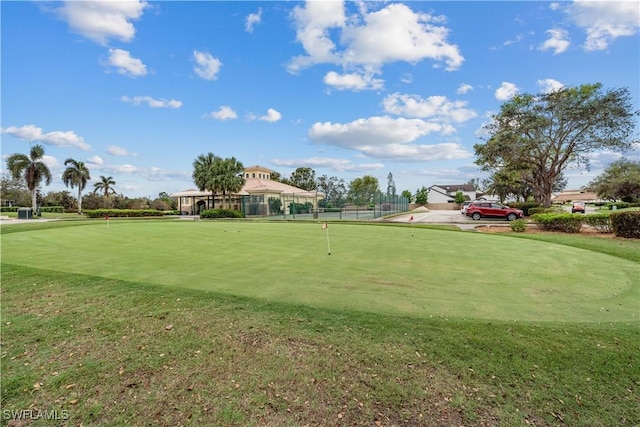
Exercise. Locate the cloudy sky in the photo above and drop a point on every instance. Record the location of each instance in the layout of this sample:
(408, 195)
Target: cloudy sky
(137, 90)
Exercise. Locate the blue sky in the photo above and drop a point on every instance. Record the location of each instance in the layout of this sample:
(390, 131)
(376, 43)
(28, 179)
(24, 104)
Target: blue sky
(137, 90)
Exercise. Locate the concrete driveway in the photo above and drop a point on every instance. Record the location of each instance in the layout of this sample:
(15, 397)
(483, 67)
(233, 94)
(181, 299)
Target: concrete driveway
(448, 217)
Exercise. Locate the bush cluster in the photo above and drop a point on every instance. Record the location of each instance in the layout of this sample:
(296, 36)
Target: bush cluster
(220, 213)
(525, 207)
(519, 225)
(600, 221)
(626, 224)
(564, 222)
(122, 213)
(300, 208)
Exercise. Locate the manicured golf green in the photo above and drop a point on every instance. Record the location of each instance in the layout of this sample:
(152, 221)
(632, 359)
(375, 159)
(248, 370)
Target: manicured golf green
(381, 269)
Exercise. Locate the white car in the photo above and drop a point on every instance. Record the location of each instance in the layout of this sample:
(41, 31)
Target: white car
(464, 206)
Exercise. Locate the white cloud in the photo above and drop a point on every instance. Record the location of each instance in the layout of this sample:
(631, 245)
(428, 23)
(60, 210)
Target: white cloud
(368, 40)
(558, 41)
(352, 81)
(437, 108)
(388, 138)
(152, 102)
(57, 138)
(224, 113)
(50, 161)
(118, 151)
(103, 20)
(516, 40)
(207, 66)
(95, 160)
(506, 91)
(339, 165)
(125, 63)
(271, 116)
(253, 19)
(126, 168)
(464, 88)
(549, 85)
(605, 21)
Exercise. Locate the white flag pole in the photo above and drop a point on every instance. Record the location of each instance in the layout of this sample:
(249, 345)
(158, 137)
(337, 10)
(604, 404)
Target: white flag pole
(326, 229)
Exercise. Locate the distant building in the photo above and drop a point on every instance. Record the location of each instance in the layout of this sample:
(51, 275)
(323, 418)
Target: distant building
(575, 196)
(259, 196)
(447, 193)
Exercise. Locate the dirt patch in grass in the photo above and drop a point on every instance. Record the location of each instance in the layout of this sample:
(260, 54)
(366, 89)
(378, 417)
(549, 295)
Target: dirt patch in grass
(532, 229)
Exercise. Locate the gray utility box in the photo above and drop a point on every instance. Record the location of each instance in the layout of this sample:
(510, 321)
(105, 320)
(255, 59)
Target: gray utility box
(25, 213)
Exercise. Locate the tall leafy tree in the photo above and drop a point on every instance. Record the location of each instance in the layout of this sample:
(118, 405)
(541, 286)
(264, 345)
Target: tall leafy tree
(76, 175)
(31, 168)
(363, 190)
(407, 195)
(422, 196)
(230, 177)
(543, 134)
(619, 181)
(334, 190)
(304, 178)
(105, 186)
(205, 176)
(14, 191)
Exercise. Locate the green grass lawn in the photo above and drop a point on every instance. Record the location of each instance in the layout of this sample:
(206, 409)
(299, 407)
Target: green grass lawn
(371, 268)
(243, 323)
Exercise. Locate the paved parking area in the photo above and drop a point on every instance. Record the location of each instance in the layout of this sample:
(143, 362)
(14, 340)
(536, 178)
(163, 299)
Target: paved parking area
(448, 217)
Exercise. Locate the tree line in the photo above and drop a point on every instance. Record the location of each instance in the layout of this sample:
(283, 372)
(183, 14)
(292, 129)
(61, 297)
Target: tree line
(26, 173)
(531, 142)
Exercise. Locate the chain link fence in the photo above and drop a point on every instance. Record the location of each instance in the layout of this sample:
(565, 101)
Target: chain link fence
(291, 206)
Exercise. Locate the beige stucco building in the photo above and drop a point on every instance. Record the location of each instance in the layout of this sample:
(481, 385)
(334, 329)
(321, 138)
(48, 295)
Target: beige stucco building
(260, 196)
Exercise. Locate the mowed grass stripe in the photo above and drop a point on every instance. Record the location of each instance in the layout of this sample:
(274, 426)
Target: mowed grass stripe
(393, 270)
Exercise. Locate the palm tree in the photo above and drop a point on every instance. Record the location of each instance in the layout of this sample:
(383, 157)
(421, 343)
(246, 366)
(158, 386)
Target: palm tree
(231, 177)
(205, 168)
(76, 174)
(105, 185)
(32, 168)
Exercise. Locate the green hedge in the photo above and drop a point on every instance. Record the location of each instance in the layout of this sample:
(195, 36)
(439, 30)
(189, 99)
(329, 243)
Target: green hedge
(564, 222)
(122, 213)
(525, 207)
(54, 209)
(626, 224)
(621, 205)
(599, 221)
(540, 210)
(220, 213)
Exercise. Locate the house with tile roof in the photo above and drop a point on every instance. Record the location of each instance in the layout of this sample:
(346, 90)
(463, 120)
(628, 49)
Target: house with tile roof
(259, 196)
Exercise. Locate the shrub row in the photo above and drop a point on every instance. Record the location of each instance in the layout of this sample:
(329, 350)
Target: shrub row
(539, 210)
(122, 213)
(600, 221)
(621, 205)
(626, 224)
(622, 224)
(525, 207)
(54, 209)
(220, 213)
(564, 222)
